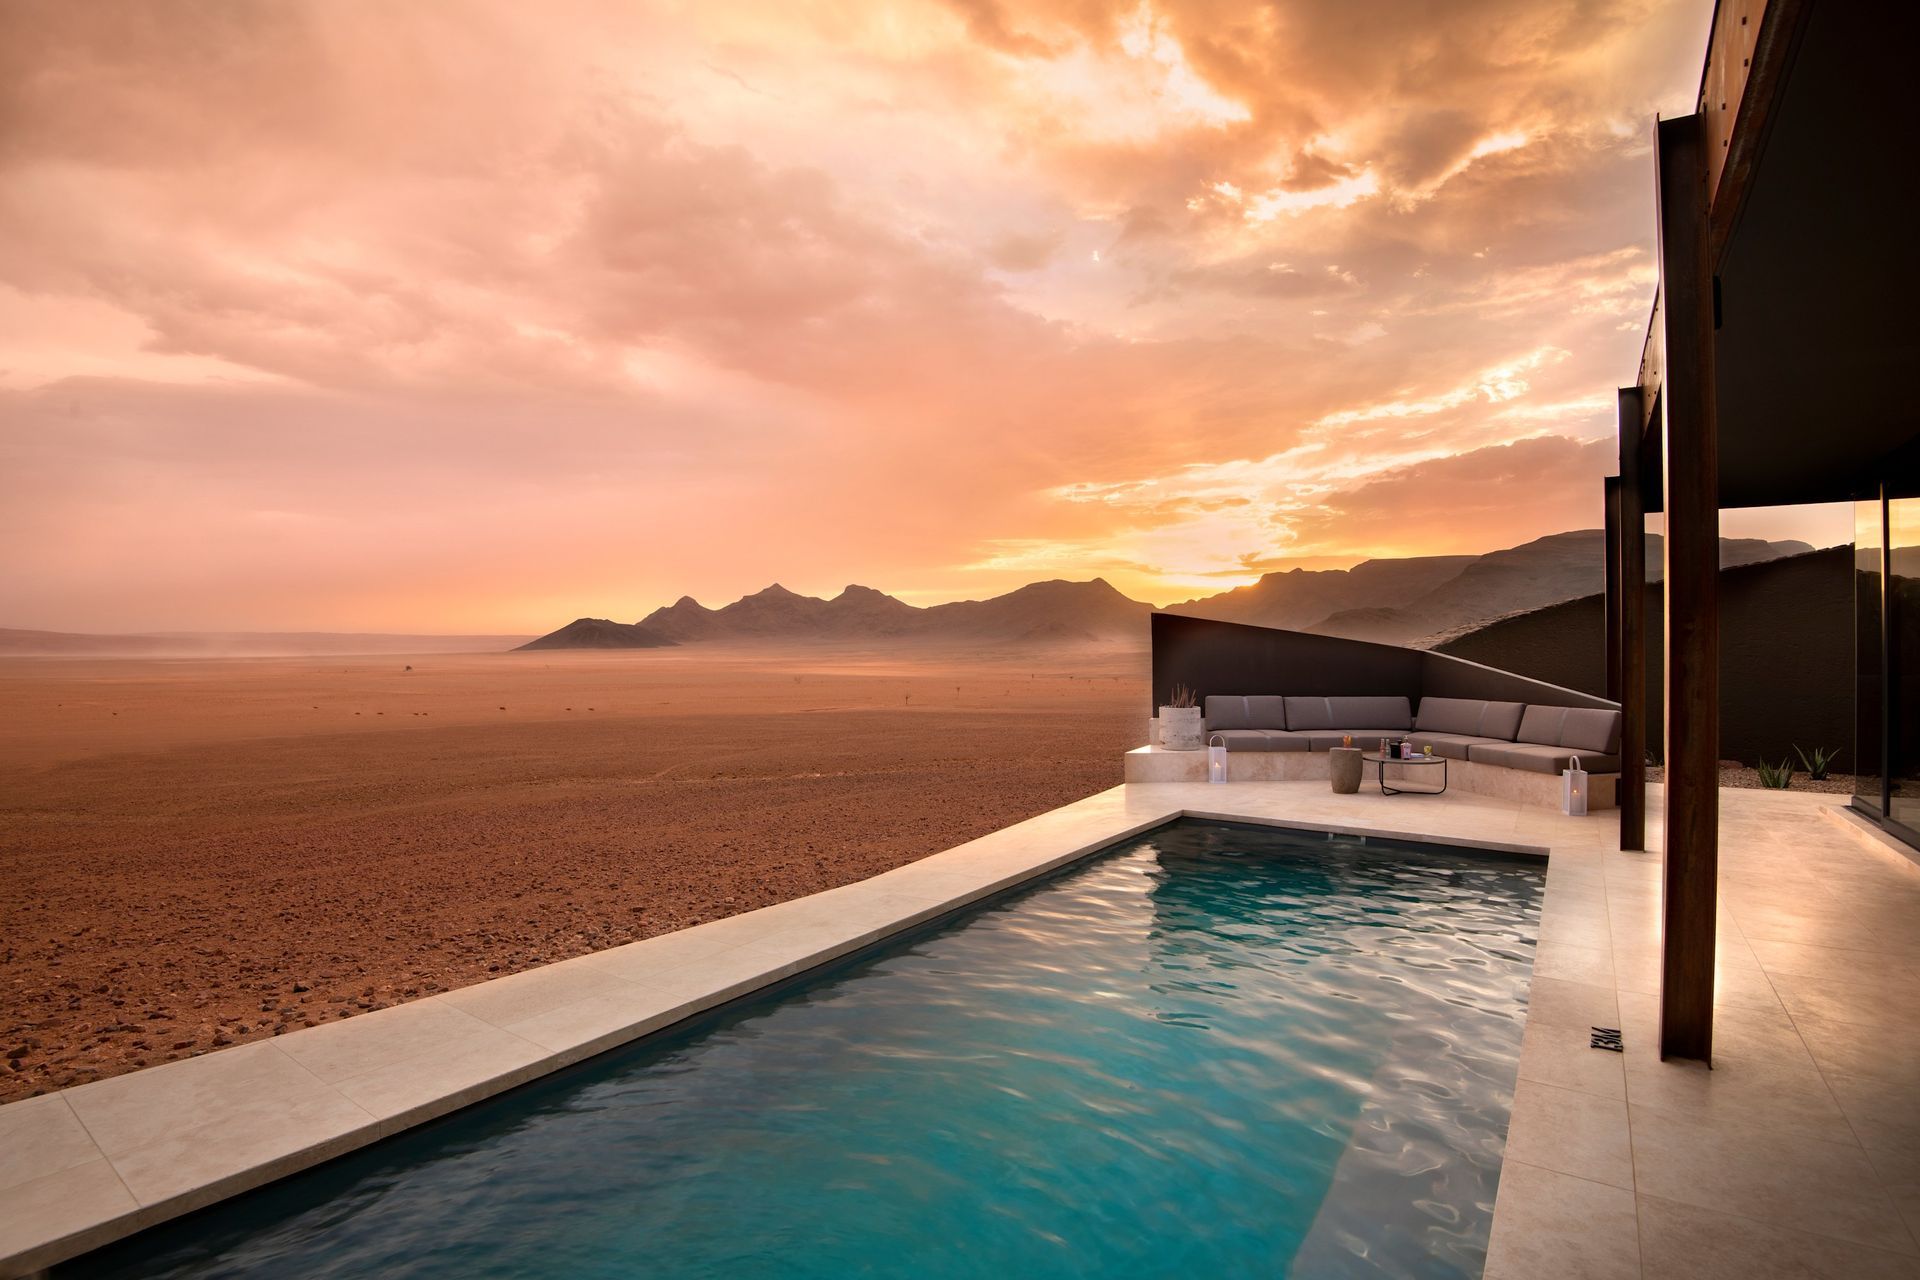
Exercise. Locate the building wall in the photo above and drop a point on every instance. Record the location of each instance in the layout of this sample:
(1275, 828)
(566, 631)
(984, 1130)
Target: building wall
(1786, 654)
(1233, 658)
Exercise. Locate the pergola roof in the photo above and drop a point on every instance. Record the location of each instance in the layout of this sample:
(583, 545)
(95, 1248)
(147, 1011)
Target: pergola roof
(1817, 241)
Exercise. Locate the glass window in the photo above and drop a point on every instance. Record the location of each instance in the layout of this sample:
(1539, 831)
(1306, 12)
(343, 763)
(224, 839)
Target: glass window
(1903, 669)
(1869, 723)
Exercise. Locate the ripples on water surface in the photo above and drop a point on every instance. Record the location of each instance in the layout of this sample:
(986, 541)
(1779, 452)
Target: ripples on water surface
(1215, 1051)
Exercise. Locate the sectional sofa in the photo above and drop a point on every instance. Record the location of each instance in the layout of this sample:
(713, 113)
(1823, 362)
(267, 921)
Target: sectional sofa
(1511, 749)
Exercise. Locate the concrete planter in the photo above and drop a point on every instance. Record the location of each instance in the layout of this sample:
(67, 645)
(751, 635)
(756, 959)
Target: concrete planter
(1181, 729)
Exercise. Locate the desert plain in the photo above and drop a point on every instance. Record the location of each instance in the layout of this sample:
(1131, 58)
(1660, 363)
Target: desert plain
(200, 852)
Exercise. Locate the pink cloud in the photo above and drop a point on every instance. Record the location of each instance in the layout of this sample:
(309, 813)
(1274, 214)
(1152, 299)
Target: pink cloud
(349, 315)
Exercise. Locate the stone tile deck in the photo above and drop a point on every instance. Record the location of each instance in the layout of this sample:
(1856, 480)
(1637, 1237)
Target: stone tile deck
(1798, 1155)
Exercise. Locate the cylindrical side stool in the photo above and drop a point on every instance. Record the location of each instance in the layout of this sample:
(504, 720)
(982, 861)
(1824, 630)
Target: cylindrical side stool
(1344, 766)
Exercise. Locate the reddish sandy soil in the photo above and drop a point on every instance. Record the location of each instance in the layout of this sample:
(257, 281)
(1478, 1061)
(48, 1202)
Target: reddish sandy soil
(199, 853)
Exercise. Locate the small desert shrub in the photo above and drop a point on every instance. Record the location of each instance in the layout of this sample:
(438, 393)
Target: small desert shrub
(1183, 697)
(1818, 763)
(1775, 777)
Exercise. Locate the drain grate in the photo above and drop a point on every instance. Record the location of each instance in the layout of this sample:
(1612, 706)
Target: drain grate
(1608, 1038)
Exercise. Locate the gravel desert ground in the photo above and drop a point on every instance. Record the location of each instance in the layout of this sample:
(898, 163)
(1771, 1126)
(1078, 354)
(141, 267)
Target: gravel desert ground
(202, 852)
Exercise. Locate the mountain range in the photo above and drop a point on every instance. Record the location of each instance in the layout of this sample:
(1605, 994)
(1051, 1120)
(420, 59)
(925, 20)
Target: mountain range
(1420, 600)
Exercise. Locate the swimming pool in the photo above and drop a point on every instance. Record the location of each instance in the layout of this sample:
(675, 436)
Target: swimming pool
(1212, 1049)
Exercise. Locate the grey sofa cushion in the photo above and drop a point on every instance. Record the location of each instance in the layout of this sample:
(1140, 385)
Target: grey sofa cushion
(1391, 713)
(1240, 739)
(1254, 711)
(1539, 757)
(1450, 715)
(1308, 713)
(1227, 712)
(1542, 724)
(1365, 739)
(1394, 713)
(1267, 711)
(1502, 720)
(1591, 729)
(1454, 746)
(1259, 740)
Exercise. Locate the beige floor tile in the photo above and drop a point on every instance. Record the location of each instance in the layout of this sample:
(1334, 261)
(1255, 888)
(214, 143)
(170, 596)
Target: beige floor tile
(40, 1136)
(1849, 1048)
(354, 1046)
(1874, 1004)
(1684, 1242)
(230, 1090)
(76, 1198)
(588, 1026)
(1796, 960)
(1591, 966)
(1802, 1184)
(519, 997)
(1744, 1033)
(1576, 928)
(1899, 1172)
(1549, 1225)
(1885, 1114)
(1565, 1058)
(171, 1130)
(476, 1060)
(1765, 1093)
(1830, 927)
(1580, 1134)
(1580, 1006)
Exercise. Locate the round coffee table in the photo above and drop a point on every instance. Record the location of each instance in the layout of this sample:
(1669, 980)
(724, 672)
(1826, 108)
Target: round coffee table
(1381, 762)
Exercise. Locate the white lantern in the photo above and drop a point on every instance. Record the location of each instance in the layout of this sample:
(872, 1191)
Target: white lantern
(1573, 800)
(1216, 759)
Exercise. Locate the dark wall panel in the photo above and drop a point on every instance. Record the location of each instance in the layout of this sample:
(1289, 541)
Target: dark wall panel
(1232, 658)
(1786, 654)
(1229, 658)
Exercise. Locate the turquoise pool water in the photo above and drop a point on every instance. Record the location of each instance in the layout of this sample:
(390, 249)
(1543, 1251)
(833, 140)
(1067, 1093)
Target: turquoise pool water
(1213, 1051)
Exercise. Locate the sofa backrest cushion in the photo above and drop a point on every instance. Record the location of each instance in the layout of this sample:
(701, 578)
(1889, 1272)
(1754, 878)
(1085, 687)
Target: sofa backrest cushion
(1501, 720)
(1450, 715)
(1594, 729)
(1308, 713)
(1266, 711)
(1370, 713)
(1256, 711)
(1227, 711)
(1591, 729)
(1542, 724)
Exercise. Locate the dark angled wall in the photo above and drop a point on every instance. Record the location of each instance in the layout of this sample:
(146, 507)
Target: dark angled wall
(1786, 654)
(1232, 658)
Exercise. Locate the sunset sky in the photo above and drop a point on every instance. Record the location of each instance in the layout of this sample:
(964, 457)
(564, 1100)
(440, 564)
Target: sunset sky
(481, 316)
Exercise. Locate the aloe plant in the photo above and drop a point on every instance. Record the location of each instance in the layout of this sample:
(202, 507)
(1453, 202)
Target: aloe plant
(1818, 763)
(1775, 777)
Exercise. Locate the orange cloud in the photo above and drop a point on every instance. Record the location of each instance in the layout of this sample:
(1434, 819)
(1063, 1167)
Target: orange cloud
(343, 314)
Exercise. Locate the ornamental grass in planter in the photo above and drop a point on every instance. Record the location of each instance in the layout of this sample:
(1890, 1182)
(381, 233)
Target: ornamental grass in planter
(1181, 725)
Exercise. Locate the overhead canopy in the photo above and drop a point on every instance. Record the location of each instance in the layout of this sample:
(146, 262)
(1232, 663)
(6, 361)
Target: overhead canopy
(1817, 360)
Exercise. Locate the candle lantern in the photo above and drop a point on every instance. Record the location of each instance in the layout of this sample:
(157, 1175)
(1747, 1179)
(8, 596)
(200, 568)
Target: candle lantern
(1574, 789)
(1216, 759)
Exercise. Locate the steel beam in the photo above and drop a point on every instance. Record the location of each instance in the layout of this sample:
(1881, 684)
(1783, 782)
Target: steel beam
(1690, 472)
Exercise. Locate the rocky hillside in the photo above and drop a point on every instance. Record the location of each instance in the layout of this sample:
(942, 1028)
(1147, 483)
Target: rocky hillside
(1417, 600)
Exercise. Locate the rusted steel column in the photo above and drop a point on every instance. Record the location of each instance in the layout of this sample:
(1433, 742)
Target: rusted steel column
(1610, 503)
(1690, 466)
(1633, 626)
